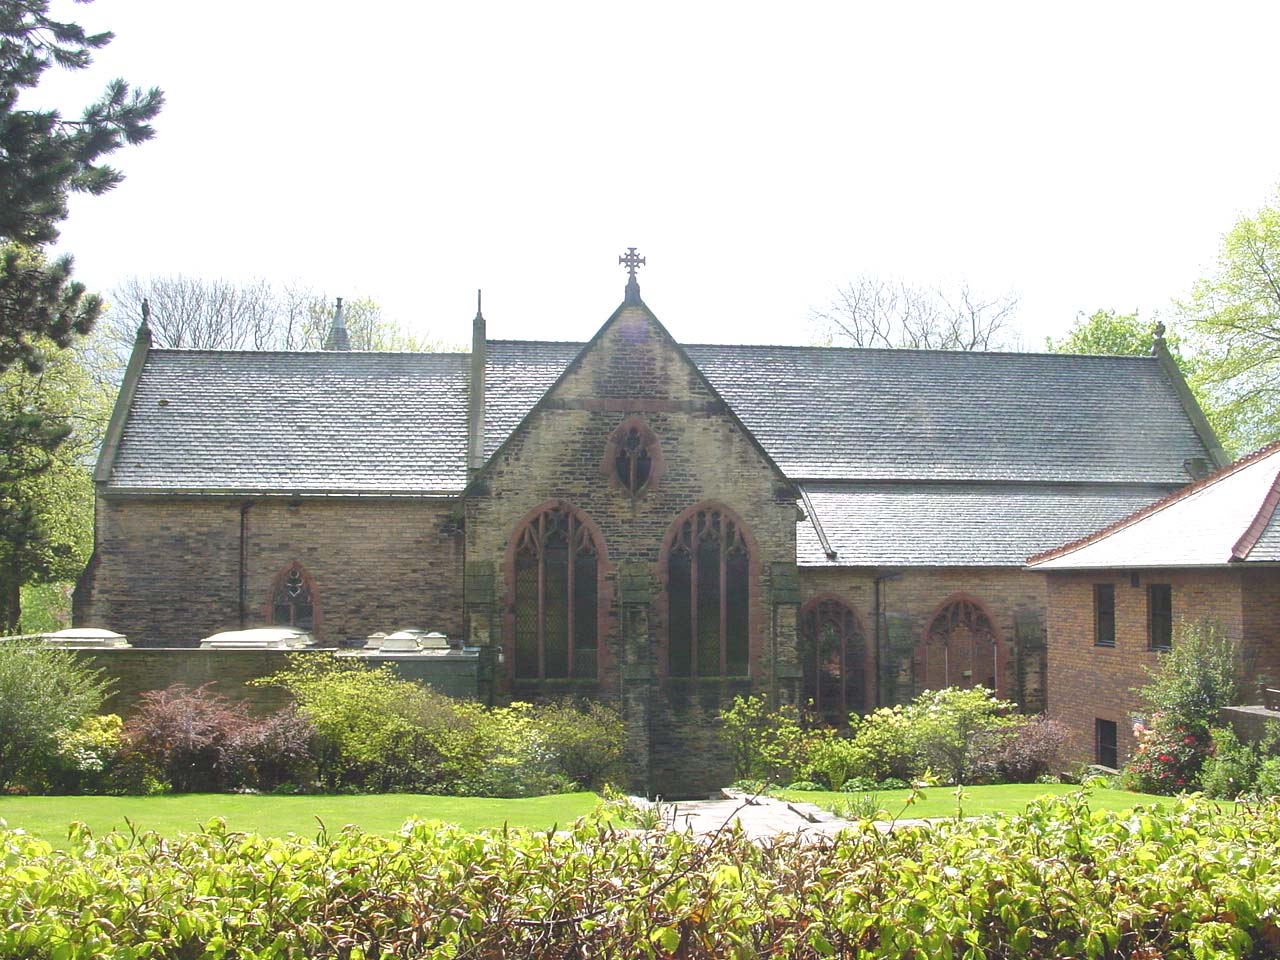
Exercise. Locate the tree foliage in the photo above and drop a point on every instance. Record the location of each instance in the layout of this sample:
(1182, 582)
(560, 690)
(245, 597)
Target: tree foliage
(1111, 333)
(194, 313)
(43, 159)
(873, 312)
(1234, 318)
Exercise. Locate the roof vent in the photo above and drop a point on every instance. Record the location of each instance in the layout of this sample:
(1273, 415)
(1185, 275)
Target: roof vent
(1197, 468)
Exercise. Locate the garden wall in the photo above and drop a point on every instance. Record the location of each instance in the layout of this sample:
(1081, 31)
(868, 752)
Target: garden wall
(134, 671)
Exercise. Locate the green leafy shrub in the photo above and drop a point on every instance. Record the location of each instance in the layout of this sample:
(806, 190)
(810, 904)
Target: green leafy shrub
(1194, 679)
(44, 694)
(766, 744)
(90, 756)
(586, 741)
(952, 730)
(1191, 881)
(884, 747)
(1234, 769)
(831, 758)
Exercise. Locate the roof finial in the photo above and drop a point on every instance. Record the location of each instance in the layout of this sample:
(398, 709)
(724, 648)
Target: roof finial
(630, 260)
(1157, 343)
(337, 338)
(144, 328)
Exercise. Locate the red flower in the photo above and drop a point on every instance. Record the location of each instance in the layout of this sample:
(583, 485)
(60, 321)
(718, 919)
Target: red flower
(1165, 758)
(1189, 741)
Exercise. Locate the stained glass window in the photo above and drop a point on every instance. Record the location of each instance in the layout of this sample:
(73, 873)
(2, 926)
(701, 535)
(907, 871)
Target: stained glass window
(633, 456)
(291, 602)
(834, 651)
(708, 597)
(555, 597)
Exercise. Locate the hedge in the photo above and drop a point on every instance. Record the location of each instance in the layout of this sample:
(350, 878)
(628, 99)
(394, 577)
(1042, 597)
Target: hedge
(1194, 880)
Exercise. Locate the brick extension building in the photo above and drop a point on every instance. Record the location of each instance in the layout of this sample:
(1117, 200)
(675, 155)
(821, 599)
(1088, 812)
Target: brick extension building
(658, 526)
(1208, 553)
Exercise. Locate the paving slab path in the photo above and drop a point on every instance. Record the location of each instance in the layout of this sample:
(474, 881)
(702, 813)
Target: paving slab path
(760, 817)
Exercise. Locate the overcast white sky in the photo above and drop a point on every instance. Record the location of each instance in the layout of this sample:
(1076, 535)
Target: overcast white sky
(1083, 154)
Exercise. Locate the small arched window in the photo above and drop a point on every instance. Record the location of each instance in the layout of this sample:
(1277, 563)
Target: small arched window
(633, 459)
(708, 562)
(293, 600)
(960, 647)
(834, 648)
(555, 596)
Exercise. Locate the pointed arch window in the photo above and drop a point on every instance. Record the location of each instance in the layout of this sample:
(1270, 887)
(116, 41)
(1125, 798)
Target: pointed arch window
(555, 602)
(633, 459)
(708, 562)
(834, 648)
(293, 599)
(960, 647)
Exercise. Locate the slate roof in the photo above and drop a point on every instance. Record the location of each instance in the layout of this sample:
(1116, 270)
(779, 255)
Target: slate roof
(835, 413)
(1226, 518)
(909, 457)
(307, 422)
(955, 524)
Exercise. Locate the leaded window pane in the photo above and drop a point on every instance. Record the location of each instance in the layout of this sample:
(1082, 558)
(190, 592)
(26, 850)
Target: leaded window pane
(736, 604)
(555, 601)
(680, 627)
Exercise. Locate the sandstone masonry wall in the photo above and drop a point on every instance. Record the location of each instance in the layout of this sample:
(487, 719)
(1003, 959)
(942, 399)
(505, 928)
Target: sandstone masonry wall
(167, 571)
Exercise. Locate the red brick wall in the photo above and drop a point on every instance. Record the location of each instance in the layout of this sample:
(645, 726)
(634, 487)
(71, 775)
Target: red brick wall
(167, 570)
(1261, 591)
(1089, 682)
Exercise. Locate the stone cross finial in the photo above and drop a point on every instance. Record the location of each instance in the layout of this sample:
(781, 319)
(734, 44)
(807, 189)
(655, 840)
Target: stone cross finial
(1157, 343)
(631, 260)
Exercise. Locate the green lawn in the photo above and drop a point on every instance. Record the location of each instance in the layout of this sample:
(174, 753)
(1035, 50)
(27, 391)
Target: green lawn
(1003, 798)
(49, 817)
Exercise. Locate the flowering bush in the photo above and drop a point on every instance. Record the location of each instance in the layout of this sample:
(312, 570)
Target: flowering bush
(1168, 757)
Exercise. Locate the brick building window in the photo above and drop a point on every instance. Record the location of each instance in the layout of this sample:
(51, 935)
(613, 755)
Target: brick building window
(554, 596)
(834, 648)
(1159, 616)
(960, 647)
(293, 599)
(1104, 614)
(633, 459)
(1105, 753)
(708, 564)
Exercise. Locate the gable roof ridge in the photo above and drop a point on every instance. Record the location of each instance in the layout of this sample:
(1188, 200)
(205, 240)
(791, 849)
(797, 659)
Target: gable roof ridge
(1180, 494)
(573, 364)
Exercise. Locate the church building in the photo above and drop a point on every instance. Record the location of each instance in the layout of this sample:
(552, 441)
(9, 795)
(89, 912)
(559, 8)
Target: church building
(657, 525)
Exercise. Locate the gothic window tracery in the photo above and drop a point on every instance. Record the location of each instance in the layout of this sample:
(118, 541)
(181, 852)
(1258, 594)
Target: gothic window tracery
(292, 600)
(632, 458)
(834, 649)
(708, 596)
(960, 647)
(555, 596)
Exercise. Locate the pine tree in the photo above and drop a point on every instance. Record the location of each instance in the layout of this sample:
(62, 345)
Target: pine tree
(43, 159)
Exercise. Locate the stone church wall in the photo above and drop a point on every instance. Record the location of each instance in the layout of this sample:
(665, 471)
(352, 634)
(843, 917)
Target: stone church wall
(561, 454)
(168, 571)
(1015, 600)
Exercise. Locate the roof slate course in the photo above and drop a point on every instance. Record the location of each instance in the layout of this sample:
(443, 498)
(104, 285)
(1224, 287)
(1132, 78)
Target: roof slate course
(954, 429)
(224, 421)
(956, 524)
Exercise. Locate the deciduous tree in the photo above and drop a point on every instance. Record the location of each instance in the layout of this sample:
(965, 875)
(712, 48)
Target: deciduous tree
(873, 312)
(1234, 317)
